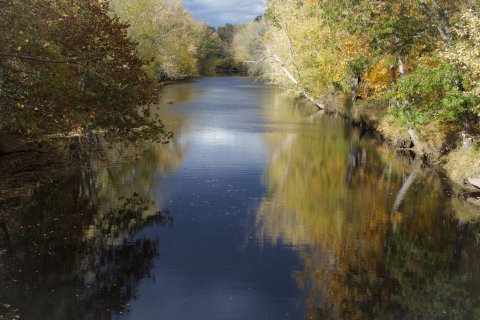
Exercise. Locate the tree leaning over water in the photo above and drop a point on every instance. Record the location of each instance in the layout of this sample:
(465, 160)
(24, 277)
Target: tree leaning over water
(421, 55)
(69, 65)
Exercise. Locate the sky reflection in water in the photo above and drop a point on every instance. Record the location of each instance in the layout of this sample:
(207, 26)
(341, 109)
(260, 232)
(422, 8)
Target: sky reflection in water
(283, 212)
(211, 265)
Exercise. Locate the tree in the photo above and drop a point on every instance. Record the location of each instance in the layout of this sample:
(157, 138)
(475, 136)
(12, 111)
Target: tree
(167, 35)
(302, 52)
(431, 92)
(248, 47)
(209, 48)
(439, 89)
(227, 34)
(68, 65)
(408, 52)
(465, 51)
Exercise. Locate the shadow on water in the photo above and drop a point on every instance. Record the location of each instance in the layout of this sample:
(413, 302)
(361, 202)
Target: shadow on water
(69, 250)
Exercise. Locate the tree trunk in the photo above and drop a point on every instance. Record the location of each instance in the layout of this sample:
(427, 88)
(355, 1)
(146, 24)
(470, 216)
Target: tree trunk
(417, 164)
(439, 20)
(415, 142)
(467, 140)
(354, 82)
(400, 65)
(462, 232)
(6, 238)
(318, 103)
(285, 69)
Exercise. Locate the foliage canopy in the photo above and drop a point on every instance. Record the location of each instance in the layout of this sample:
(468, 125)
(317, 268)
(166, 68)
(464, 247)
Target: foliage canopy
(69, 65)
(422, 54)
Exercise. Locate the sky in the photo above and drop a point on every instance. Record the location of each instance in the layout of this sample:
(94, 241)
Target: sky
(220, 12)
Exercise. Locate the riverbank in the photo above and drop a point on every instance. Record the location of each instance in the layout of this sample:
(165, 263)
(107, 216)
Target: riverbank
(438, 144)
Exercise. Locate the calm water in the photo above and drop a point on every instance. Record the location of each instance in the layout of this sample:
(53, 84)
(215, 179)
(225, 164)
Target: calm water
(261, 207)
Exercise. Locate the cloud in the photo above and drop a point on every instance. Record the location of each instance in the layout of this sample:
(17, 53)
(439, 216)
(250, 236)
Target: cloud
(220, 12)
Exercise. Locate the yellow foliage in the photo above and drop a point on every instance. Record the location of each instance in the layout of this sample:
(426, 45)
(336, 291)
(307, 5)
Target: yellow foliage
(377, 79)
(165, 32)
(466, 50)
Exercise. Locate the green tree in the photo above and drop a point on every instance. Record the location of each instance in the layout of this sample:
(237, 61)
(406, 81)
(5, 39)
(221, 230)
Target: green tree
(167, 35)
(209, 50)
(431, 92)
(227, 34)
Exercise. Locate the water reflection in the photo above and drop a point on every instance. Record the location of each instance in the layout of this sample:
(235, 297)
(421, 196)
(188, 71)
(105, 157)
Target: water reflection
(69, 252)
(269, 195)
(377, 233)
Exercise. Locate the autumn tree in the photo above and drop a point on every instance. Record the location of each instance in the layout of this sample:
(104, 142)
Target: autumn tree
(248, 47)
(209, 50)
(302, 52)
(68, 65)
(406, 52)
(227, 60)
(441, 86)
(167, 35)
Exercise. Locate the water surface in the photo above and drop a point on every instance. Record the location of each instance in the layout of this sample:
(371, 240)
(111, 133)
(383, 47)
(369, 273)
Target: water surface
(260, 207)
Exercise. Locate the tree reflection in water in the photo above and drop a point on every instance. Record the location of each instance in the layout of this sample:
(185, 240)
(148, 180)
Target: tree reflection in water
(379, 236)
(63, 259)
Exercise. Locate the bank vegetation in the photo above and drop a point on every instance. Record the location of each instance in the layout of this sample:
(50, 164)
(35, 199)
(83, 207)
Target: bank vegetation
(76, 66)
(408, 69)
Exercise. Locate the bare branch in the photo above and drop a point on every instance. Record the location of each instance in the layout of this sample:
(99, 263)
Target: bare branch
(285, 69)
(443, 30)
(256, 62)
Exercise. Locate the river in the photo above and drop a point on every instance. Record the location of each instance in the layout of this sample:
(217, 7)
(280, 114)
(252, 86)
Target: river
(260, 207)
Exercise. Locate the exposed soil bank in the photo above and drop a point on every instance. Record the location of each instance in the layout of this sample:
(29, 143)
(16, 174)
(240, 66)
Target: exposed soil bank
(440, 145)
